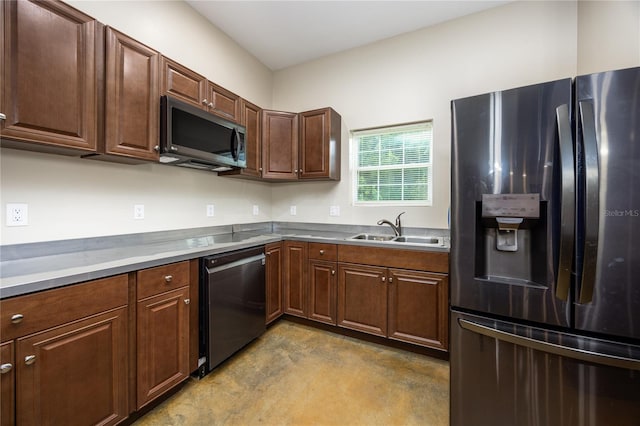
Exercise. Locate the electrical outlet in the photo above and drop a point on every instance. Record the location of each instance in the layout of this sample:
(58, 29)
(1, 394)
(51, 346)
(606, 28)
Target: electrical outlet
(334, 210)
(210, 210)
(138, 211)
(293, 210)
(17, 214)
(256, 210)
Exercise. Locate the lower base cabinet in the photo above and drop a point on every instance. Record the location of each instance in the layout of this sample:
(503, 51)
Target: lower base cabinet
(362, 298)
(68, 351)
(162, 330)
(74, 374)
(273, 281)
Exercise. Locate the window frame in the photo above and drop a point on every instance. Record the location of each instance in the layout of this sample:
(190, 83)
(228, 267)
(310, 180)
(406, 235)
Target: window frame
(355, 151)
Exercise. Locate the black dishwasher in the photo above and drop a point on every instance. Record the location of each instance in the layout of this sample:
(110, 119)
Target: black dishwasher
(232, 304)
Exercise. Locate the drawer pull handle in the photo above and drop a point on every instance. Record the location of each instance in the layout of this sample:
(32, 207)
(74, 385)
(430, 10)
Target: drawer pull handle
(17, 318)
(321, 251)
(187, 301)
(29, 359)
(168, 278)
(5, 368)
(384, 279)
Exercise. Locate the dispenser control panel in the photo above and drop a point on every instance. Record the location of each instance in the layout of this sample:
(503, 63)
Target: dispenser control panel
(511, 205)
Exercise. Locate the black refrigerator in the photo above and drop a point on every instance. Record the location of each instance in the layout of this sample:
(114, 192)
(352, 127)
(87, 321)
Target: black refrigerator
(545, 254)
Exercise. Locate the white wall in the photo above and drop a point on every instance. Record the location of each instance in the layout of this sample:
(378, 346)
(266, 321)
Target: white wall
(414, 77)
(608, 35)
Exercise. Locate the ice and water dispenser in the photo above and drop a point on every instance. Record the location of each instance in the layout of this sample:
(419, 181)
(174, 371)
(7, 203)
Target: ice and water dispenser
(510, 238)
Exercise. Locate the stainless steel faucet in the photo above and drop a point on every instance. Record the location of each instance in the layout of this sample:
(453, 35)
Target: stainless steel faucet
(397, 228)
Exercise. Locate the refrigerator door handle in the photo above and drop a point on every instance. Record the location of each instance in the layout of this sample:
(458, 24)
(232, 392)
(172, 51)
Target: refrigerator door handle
(592, 207)
(565, 255)
(552, 348)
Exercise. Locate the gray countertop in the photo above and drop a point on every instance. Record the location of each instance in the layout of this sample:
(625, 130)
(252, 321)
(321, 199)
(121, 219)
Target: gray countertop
(27, 268)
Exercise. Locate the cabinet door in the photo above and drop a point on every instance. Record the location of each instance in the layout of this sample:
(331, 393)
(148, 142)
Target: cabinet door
(320, 144)
(223, 103)
(182, 83)
(7, 381)
(362, 298)
(418, 308)
(132, 100)
(49, 78)
(322, 291)
(163, 343)
(273, 271)
(74, 374)
(279, 145)
(295, 291)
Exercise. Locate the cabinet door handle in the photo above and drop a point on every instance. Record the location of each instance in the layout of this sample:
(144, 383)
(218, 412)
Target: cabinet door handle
(5, 368)
(321, 252)
(390, 279)
(210, 104)
(268, 253)
(205, 102)
(384, 279)
(187, 301)
(17, 318)
(2, 116)
(260, 169)
(168, 278)
(29, 359)
(333, 272)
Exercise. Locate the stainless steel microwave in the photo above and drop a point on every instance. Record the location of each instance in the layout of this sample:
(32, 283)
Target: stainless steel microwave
(192, 137)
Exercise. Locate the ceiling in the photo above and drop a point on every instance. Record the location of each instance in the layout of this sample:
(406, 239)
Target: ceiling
(285, 33)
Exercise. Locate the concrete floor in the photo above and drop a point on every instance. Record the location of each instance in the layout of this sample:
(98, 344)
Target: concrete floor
(299, 375)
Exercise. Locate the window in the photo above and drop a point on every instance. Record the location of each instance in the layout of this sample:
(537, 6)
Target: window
(393, 165)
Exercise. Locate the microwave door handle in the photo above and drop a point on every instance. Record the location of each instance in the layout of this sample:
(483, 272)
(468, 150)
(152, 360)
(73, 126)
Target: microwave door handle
(235, 144)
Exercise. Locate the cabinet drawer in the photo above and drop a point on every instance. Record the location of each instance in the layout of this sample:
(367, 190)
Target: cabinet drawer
(49, 308)
(395, 258)
(157, 280)
(323, 251)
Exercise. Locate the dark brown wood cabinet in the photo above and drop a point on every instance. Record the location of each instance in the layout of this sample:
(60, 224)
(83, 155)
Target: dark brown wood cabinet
(279, 145)
(362, 298)
(273, 283)
(132, 99)
(7, 383)
(182, 83)
(222, 102)
(71, 353)
(74, 374)
(323, 282)
(320, 136)
(251, 119)
(418, 308)
(51, 55)
(162, 329)
(294, 278)
(377, 297)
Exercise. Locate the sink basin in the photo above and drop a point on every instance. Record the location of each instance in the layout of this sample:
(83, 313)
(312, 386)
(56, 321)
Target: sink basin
(373, 237)
(418, 240)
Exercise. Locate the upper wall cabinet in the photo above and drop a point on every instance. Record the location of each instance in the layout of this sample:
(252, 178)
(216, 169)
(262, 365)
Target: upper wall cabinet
(279, 145)
(223, 103)
(132, 98)
(320, 144)
(303, 146)
(51, 56)
(182, 83)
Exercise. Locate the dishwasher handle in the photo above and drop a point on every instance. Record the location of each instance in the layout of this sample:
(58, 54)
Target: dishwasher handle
(235, 264)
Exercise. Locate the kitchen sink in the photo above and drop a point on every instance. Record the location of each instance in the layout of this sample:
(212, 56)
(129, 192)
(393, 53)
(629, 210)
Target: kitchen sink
(373, 237)
(431, 241)
(418, 240)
